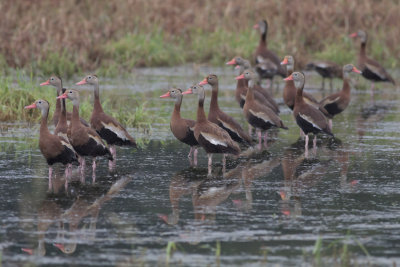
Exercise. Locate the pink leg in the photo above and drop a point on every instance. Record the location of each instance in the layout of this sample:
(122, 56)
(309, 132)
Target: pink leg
(190, 152)
(82, 165)
(94, 170)
(223, 163)
(315, 144)
(265, 139)
(330, 124)
(209, 163)
(259, 138)
(372, 91)
(250, 130)
(306, 147)
(50, 177)
(195, 156)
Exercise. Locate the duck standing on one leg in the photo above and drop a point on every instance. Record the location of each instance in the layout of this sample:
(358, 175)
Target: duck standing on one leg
(106, 126)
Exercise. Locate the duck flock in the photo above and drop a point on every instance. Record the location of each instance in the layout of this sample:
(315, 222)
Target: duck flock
(74, 139)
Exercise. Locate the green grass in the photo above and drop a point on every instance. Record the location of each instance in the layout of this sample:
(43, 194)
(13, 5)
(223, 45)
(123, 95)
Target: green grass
(20, 91)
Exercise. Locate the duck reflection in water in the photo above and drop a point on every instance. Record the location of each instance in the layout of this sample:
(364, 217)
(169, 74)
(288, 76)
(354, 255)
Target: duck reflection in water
(72, 210)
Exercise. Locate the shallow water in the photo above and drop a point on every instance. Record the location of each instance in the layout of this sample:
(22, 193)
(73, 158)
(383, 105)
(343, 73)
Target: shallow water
(270, 207)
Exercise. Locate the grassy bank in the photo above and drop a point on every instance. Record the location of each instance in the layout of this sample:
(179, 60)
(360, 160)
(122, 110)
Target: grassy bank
(18, 91)
(113, 37)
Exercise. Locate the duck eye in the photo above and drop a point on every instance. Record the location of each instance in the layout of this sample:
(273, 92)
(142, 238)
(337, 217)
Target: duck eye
(40, 102)
(52, 78)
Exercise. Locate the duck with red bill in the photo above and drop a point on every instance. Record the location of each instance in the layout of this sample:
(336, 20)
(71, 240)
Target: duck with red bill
(182, 128)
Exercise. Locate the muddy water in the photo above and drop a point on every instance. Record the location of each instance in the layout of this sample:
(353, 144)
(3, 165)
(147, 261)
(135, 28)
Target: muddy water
(270, 207)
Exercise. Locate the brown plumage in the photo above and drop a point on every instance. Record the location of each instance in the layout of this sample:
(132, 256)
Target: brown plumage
(336, 103)
(85, 140)
(223, 120)
(326, 69)
(182, 128)
(261, 94)
(308, 118)
(259, 116)
(53, 147)
(209, 135)
(289, 91)
(106, 126)
(370, 68)
(268, 63)
(57, 83)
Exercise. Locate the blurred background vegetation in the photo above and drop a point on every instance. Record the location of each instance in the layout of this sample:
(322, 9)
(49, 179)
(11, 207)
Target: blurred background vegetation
(113, 37)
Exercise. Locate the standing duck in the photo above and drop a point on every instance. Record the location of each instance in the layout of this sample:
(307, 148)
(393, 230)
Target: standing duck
(371, 69)
(259, 116)
(57, 83)
(326, 69)
(85, 140)
(53, 147)
(267, 61)
(336, 103)
(223, 120)
(180, 127)
(308, 118)
(289, 91)
(210, 136)
(261, 94)
(106, 126)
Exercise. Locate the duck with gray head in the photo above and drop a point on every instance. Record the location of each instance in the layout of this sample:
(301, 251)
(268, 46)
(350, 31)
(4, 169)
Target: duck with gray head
(209, 135)
(53, 147)
(182, 128)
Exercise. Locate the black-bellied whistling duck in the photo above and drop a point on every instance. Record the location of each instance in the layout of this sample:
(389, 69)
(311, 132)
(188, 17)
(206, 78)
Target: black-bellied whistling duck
(308, 118)
(85, 140)
(180, 127)
(336, 103)
(57, 83)
(259, 116)
(326, 69)
(223, 120)
(53, 147)
(267, 61)
(209, 135)
(106, 126)
(261, 94)
(289, 91)
(370, 68)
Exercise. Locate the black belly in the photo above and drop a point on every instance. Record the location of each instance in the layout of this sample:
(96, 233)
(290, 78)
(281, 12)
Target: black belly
(67, 156)
(91, 148)
(368, 74)
(259, 123)
(113, 139)
(189, 139)
(333, 109)
(323, 72)
(211, 148)
(242, 102)
(306, 126)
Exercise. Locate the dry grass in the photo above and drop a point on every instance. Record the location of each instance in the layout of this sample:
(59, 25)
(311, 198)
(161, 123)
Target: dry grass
(33, 33)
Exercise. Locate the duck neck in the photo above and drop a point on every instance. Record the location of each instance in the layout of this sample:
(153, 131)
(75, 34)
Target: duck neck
(75, 113)
(299, 93)
(97, 104)
(250, 91)
(63, 117)
(263, 38)
(43, 124)
(177, 109)
(214, 98)
(346, 83)
(362, 49)
(201, 115)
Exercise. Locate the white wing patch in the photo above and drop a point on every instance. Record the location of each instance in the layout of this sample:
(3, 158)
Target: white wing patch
(63, 135)
(322, 65)
(309, 120)
(262, 116)
(67, 144)
(118, 131)
(376, 71)
(213, 140)
(97, 139)
(228, 127)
